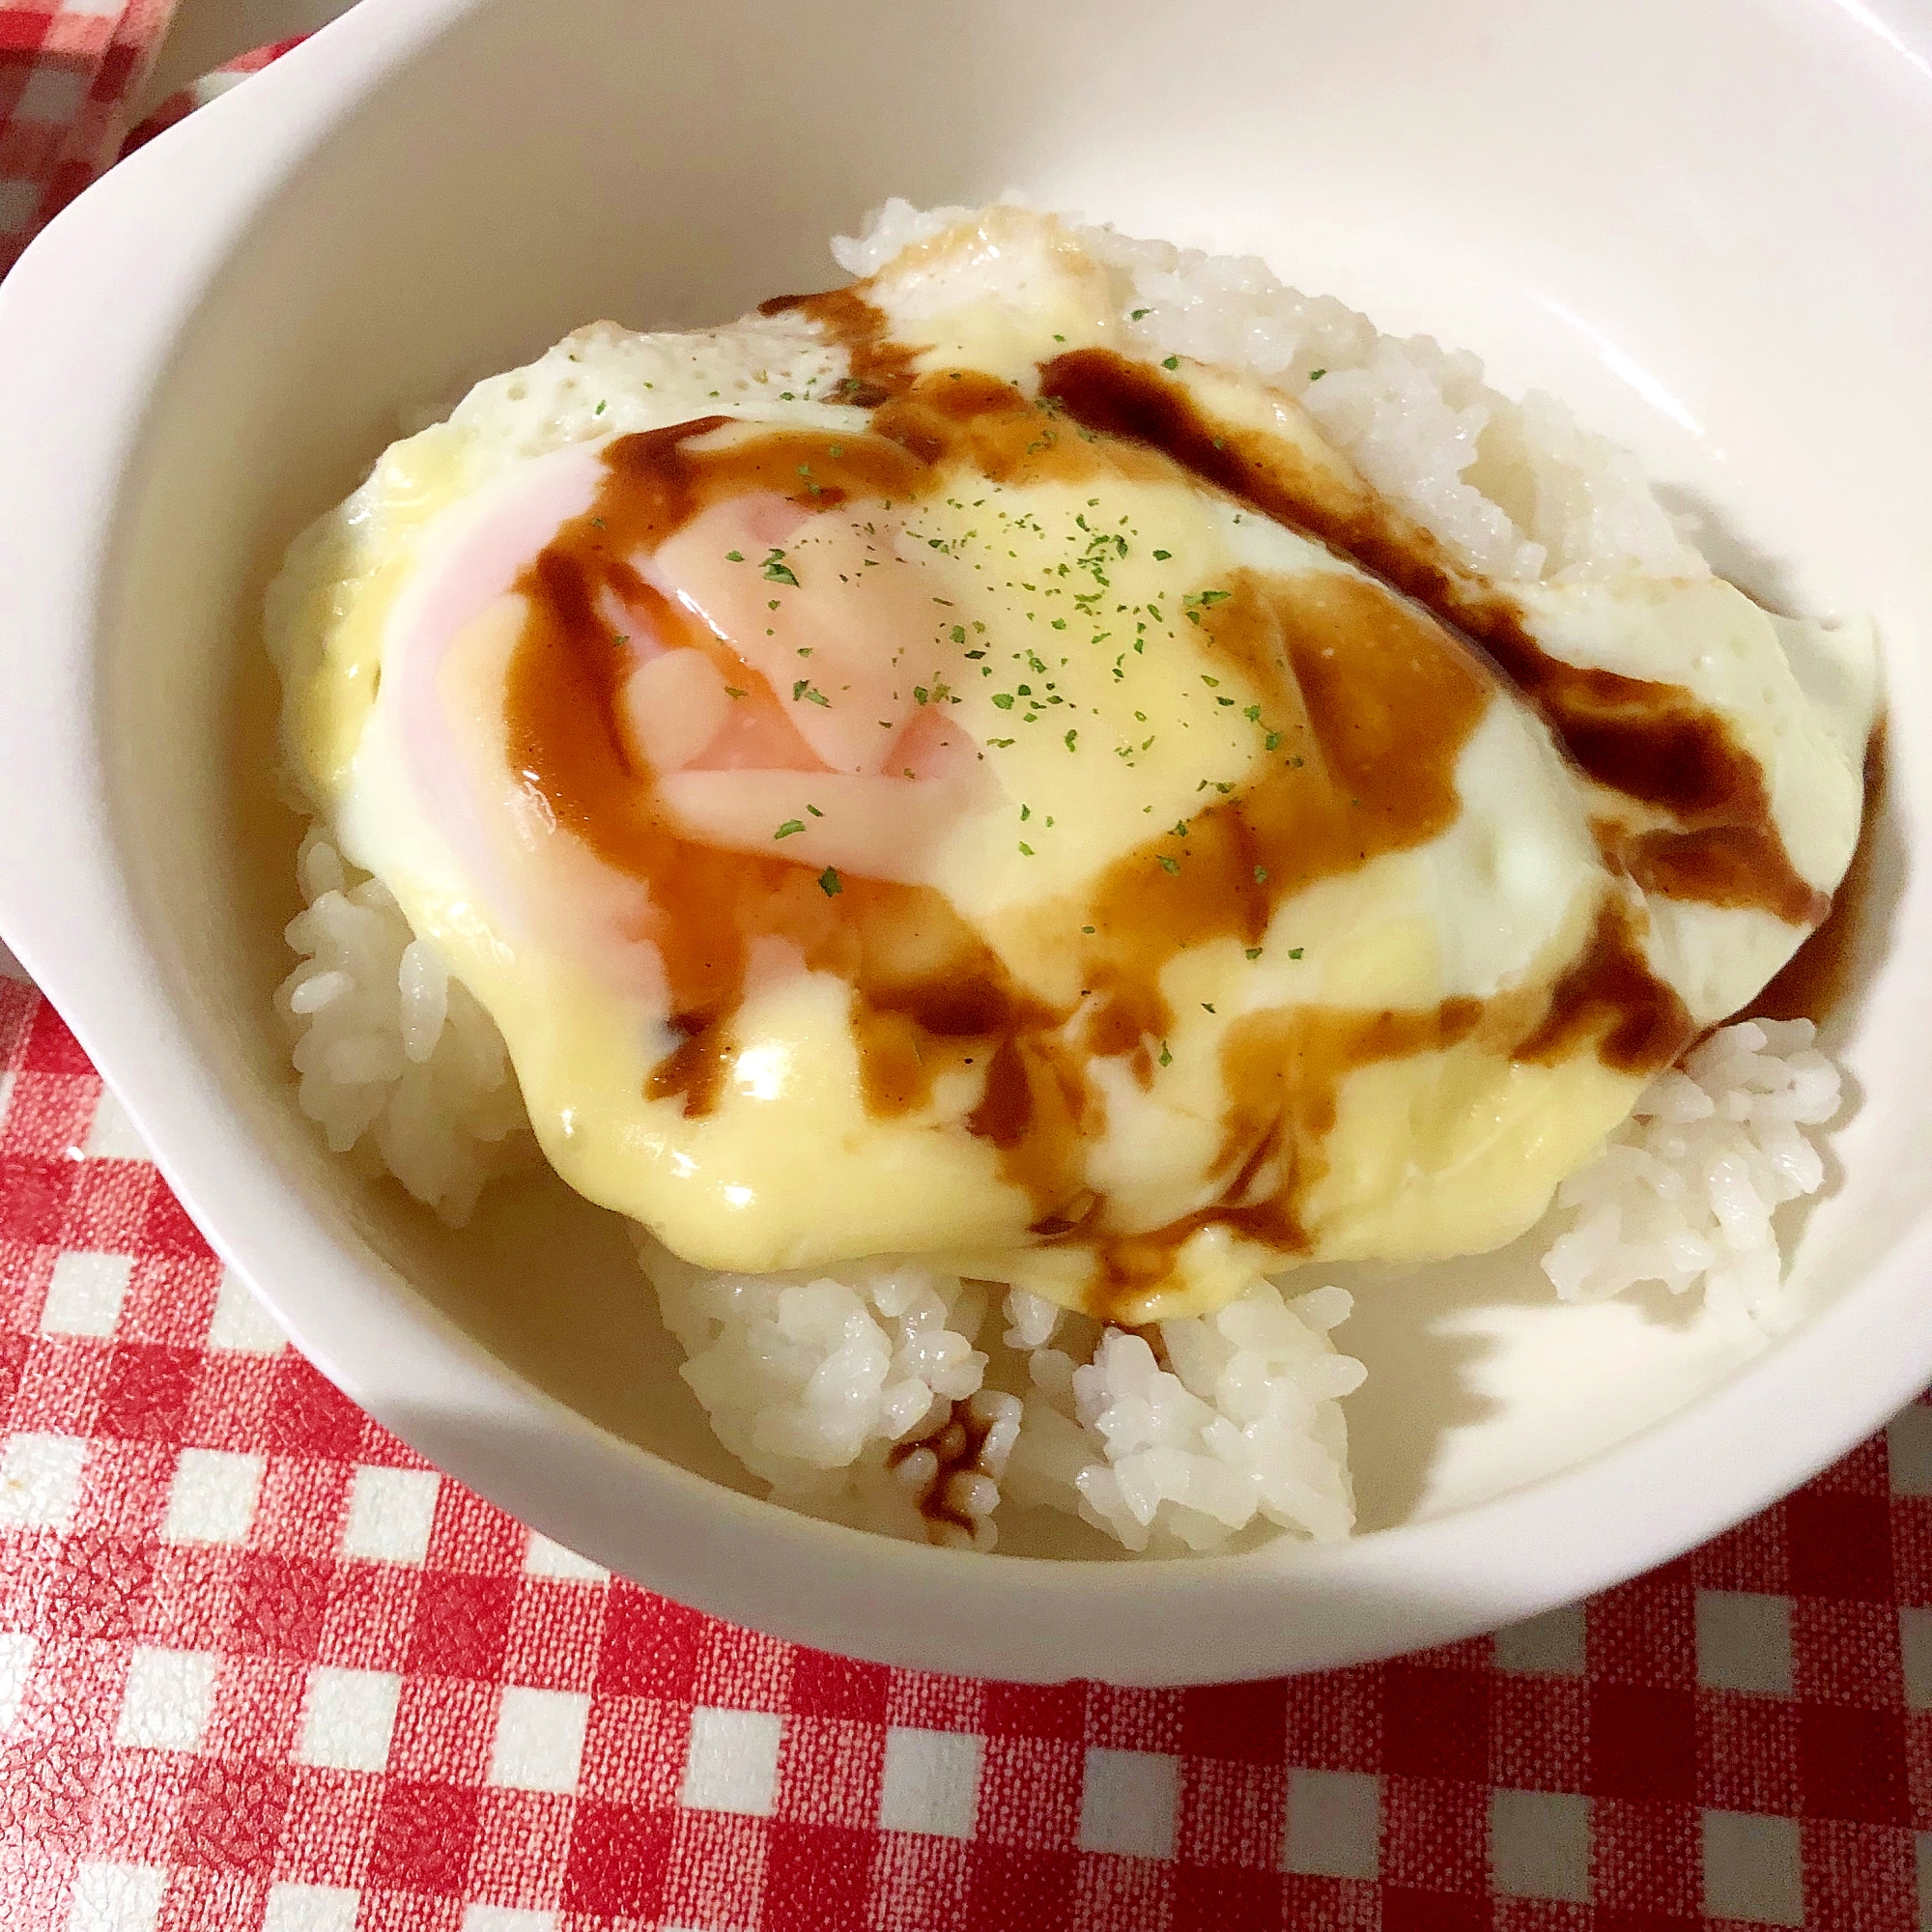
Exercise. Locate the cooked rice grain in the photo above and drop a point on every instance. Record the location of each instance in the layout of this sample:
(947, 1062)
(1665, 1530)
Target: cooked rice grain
(397, 1059)
(1517, 489)
(840, 1392)
(1686, 1191)
(1236, 1419)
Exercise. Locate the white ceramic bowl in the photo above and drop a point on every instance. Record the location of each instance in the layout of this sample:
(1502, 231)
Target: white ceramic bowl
(1707, 223)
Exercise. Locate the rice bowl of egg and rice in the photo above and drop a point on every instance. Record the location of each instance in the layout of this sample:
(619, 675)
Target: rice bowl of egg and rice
(902, 1302)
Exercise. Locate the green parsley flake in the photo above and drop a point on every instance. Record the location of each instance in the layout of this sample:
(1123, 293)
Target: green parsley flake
(830, 883)
(734, 557)
(803, 689)
(778, 571)
(790, 826)
(1254, 953)
(1168, 865)
(1073, 741)
(1162, 556)
(1025, 848)
(1172, 362)
(1138, 313)
(1166, 1057)
(1260, 875)
(814, 810)
(1004, 699)
(1295, 952)
(733, 690)
(1316, 375)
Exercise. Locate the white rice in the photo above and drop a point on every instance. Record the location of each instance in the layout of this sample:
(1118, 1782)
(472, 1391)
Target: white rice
(396, 1058)
(1241, 1423)
(1686, 1191)
(814, 1382)
(840, 1391)
(893, 1397)
(1517, 489)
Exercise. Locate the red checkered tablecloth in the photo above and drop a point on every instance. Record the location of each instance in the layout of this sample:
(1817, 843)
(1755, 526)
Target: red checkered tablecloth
(69, 73)
(262, 1669)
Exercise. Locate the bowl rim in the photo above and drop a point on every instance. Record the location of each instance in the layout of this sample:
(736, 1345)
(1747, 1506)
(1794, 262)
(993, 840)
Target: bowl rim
(166, 221)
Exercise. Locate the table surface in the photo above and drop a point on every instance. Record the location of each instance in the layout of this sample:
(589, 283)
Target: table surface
(206, 33)
(262, 1669)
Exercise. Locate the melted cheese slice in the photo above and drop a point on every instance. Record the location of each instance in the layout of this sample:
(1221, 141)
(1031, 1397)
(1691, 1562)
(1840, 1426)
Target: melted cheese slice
(1036, 698)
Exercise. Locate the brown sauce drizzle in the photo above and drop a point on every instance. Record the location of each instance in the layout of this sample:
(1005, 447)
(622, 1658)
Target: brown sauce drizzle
(1652, 742)
(958, 1442)
(1611, 1000)
(878, 368)
(1375, 697)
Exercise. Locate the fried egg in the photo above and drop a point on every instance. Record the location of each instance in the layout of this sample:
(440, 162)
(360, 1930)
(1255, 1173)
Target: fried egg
(909, 775)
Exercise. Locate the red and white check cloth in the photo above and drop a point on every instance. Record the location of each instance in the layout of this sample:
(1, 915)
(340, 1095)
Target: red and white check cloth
(69, 73)
(262, 1669)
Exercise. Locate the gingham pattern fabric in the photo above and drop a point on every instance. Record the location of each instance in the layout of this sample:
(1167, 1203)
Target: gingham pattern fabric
(69, 71)
(178, 106)
(264, 1670)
